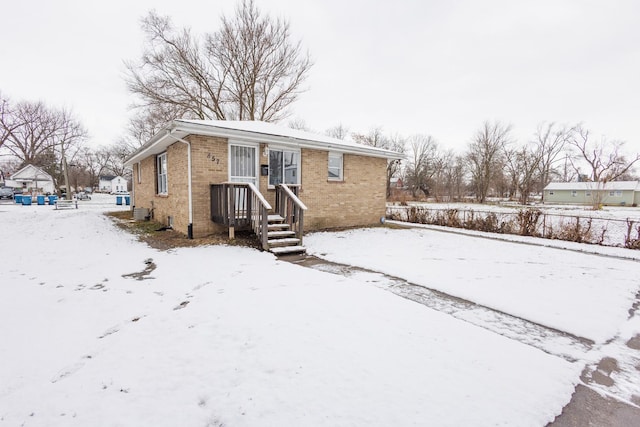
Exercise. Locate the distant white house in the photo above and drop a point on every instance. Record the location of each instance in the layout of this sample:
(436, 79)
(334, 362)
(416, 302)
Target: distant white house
(32, 179)
(112, 184)
(620, 193)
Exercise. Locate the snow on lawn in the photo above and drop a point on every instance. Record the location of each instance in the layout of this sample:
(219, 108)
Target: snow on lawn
(586, 295)
(228, 336)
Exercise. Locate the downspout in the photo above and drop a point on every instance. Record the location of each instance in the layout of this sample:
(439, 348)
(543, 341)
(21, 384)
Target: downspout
(190, 226)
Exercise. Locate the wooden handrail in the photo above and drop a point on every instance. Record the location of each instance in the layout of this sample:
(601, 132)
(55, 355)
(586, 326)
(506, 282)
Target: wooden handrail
(293, 197)
(259, 195)
(291, 208)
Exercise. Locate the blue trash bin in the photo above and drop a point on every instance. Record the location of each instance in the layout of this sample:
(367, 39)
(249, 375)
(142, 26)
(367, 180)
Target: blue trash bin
(127, 200)
(18, 199)
(26, 200)
(40, 200)
(52, 199)
(119, 200)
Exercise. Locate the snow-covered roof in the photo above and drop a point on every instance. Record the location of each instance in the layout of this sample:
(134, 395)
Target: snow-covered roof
(254, 131)
(31, 173)
(612, 185)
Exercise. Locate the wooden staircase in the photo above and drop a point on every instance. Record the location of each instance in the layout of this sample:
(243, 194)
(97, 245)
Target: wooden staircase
(281, 239)
(241, 205)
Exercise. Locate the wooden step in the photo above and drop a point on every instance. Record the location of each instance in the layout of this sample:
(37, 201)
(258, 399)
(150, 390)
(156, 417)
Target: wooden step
(283, 242)
(277, 226)
(280, 234)
(274, 218)
(283, 250)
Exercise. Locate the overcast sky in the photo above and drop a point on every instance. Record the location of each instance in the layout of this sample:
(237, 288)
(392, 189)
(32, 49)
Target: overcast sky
(409, 66)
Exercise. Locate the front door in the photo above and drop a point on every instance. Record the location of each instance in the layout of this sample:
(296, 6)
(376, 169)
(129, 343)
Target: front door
(243, 167)
(243, 164)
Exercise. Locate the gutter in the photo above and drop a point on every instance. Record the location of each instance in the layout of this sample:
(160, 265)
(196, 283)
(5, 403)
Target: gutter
(190, 226)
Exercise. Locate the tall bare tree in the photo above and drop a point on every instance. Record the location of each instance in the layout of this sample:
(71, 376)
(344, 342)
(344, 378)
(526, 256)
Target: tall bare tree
(249, 69)
(265, 69)
(604, 159)
(29, 130)
(454, 177)
(423, 163)
(550, 139)
(522, 169)
(8, 122)
(484, 156)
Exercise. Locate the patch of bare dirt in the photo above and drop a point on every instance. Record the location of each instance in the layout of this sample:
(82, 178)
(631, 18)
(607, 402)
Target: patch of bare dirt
(157, 235)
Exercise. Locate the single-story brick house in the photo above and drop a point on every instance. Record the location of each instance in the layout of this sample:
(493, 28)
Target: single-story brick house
(205, 176)
(613, 193)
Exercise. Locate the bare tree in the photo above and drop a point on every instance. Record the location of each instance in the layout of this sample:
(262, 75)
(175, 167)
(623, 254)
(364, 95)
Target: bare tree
(454, 177)
(423, 163)
(117, 154)
(265, 69)
(339, 131)
(8, 122)
(248, 70)
(604, 159)
(94, 163)
(147, 122)
(522, 169)
(484, 156)
(298, 124)
(29, 130)
(550, 139)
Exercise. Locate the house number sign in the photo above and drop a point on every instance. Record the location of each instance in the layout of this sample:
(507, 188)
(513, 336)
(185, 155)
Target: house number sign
(215, 162)
(213, 158)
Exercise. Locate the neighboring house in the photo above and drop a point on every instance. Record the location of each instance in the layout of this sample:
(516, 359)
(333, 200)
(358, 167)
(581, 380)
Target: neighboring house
(396, 182)
(104, 183)
(32, 179)
(621, 193)
(194, 173)
(112, 184)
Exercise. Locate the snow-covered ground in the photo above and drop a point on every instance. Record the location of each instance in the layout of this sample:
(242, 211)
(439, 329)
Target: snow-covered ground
(229, 336)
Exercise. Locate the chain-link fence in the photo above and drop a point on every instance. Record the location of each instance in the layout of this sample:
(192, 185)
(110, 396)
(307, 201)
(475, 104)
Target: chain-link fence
(527, 222)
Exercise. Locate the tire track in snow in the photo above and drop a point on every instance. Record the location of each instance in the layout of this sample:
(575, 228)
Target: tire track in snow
(552, 341)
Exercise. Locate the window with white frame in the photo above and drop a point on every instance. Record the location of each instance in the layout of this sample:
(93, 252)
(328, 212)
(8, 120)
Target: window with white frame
(284, 167)
(587, 193)
(139, 172)
(335, 167)
(574, 193)
(162, 173)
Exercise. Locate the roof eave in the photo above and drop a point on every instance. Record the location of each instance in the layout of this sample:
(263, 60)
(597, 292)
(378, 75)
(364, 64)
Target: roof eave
(212, 130)
(180, 129)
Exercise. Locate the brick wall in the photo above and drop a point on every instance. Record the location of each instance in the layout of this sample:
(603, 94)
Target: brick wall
(360, 199)
(209, 164)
